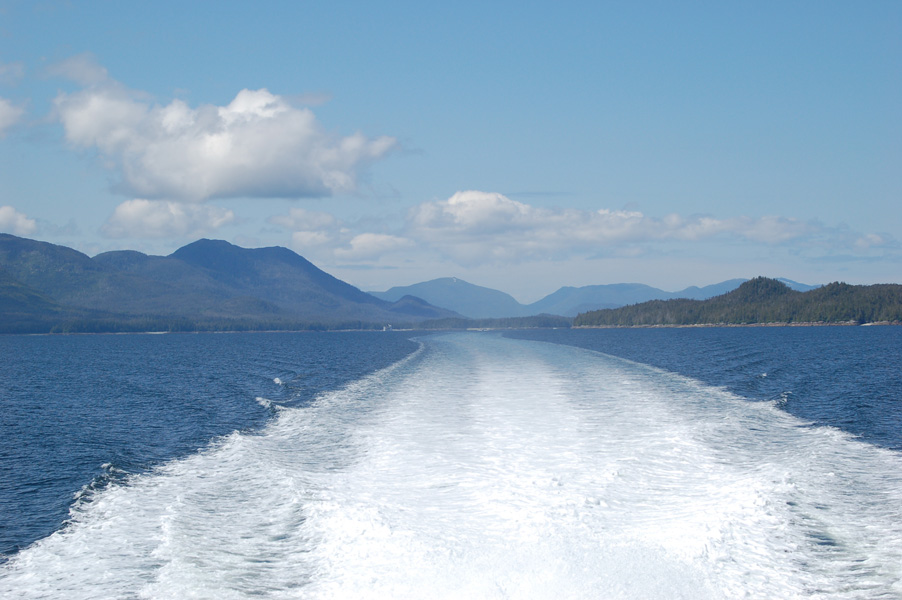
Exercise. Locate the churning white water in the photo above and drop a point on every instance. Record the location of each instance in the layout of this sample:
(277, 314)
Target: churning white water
(484, 467)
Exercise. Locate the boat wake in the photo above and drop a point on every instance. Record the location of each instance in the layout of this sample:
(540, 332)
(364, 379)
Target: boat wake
(485, 467)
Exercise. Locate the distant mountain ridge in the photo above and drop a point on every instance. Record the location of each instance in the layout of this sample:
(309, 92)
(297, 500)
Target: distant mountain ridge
(469, 300)
(479, 302)
(208, 284)
(215, 285)
(761, 301)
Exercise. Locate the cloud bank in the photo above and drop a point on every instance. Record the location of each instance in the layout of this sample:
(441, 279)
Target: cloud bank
(258, 145)
(12, 221)
(160, 219)
(475, 228)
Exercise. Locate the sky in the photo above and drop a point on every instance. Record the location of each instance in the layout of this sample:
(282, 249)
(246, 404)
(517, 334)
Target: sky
(521, 146)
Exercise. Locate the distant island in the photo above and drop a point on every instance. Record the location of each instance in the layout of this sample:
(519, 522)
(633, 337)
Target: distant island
(762, 301)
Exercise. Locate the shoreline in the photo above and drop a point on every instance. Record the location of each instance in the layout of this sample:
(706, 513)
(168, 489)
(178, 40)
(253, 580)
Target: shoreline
(782, 324)
(414, 329)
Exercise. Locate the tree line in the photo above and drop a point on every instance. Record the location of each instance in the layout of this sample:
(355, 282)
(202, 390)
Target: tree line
(76, 322)
(761, 301)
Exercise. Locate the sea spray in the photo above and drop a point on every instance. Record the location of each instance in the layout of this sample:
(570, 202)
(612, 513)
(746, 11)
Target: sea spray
(486, 467)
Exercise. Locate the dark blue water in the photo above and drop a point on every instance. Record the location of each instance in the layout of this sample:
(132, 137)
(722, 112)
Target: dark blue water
(475, 466)
(80, 411)
(844, 377)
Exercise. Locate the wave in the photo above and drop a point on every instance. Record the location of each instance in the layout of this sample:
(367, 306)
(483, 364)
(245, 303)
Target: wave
(489, 467)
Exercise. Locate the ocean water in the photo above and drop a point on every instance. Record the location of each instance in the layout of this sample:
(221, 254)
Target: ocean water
(477, 466)
(80, 412)
(844, 377)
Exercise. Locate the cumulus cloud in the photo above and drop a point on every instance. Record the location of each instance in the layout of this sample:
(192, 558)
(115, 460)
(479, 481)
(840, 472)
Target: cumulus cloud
(331, 239)
(9, 115)
(258, 145)
(159, 219)
(310, 229)
(486, 217)
(12, 221)
(306, 240)
(773, 230)
(476, 227)
(483, 228)
(370, 246)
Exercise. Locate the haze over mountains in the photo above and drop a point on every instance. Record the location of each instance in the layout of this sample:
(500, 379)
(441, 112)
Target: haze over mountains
(215, 285)
(479, 302)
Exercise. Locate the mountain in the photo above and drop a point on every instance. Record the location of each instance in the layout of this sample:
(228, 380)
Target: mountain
(24, 309)
(760, 301)
(208, 284)
(702, 293)
(571, 301)
(455, 294)
(795, 285)
(479, 302)
(214, 285)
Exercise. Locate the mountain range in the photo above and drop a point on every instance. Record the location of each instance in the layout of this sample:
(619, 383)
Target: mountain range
(479, 302)
(208, 284)
(215, 285)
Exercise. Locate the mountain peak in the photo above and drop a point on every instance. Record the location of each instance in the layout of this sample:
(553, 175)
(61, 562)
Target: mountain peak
(206, 284)
(760, 288)
(459, 296)
(203, 247)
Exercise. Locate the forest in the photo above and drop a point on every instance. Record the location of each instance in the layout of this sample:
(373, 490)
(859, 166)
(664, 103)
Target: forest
(762, 301)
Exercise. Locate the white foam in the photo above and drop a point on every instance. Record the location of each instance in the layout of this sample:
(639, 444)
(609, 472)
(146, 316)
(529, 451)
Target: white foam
(491, 468)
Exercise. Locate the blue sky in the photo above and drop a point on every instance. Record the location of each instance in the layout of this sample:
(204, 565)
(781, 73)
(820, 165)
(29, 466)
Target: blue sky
(520, 146)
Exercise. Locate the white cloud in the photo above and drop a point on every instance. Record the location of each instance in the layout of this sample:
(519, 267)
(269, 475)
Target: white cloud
(9, 115)
(157, 218)
(12, 221)
(259, 145)
(372, 246)
(475, 212)
(304, 240)
(773, 230)
(474, 228)
(870, 240)
(311, 230)
(330, 239)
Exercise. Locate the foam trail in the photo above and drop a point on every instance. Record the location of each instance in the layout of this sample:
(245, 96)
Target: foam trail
(490, 468)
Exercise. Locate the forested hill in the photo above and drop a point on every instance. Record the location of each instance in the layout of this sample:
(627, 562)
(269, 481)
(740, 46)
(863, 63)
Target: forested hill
(760, 301)
(208, 285)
